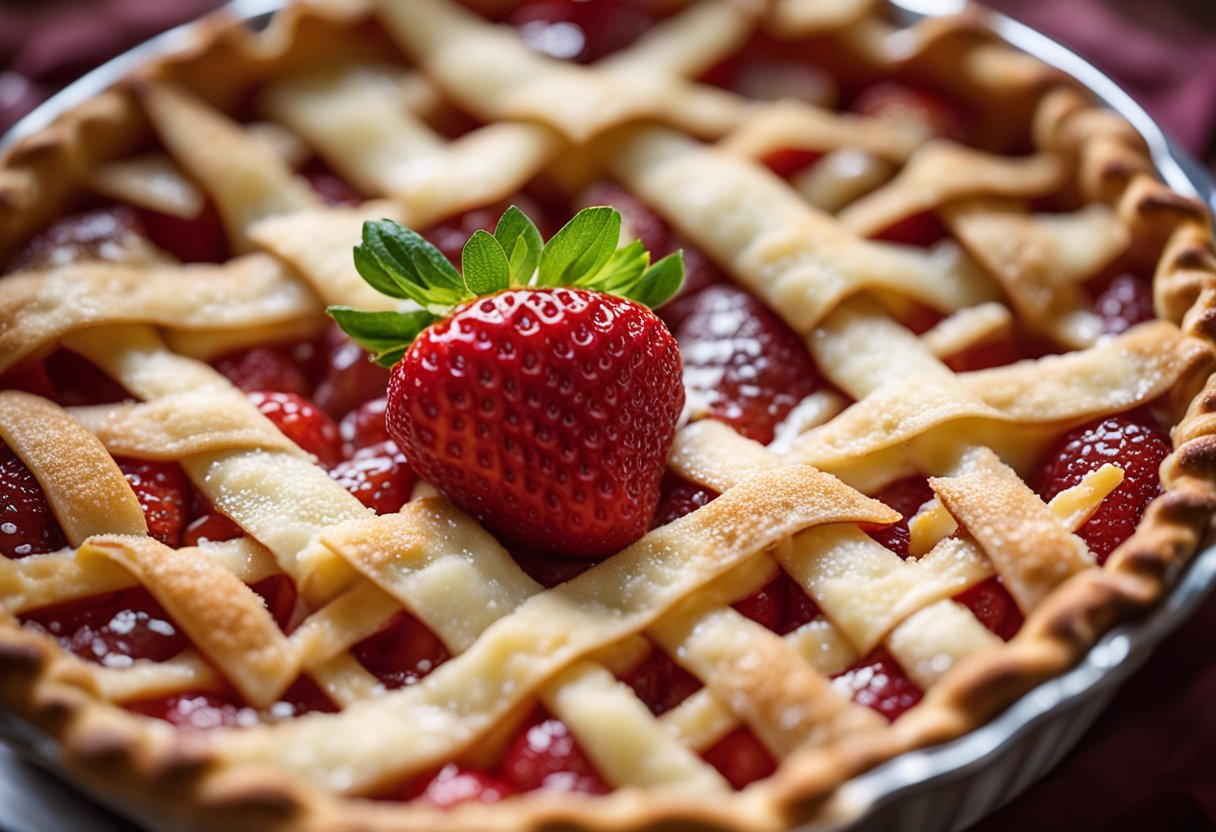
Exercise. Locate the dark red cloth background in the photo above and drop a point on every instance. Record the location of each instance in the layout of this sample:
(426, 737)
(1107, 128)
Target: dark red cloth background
(1150, 762)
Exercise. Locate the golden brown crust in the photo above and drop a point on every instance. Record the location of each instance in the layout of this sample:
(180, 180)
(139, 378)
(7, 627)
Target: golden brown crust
(155, 772)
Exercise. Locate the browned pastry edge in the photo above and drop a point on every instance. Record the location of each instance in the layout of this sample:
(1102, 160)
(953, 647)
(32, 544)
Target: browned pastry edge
(155, 772)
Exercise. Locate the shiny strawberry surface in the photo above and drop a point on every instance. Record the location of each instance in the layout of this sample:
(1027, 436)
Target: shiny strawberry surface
(27, 524)
(1131, 441)
(743, 361)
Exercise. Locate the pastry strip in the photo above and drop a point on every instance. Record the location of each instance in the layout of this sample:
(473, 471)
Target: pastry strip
(39, 308)
(1029, 546)
(941, 172)
(549, 632)
(246, 179)
(494, 75)
(223, 617)
(799, 261)
(84, 486)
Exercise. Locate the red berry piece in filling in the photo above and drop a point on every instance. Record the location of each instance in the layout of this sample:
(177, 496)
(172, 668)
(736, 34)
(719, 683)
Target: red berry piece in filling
(198, 711)
(904, 104)
(547, 570)
(765, 606)
(740, 758)
(582, 31)
(30, 377)
(364, 426)
(115, 629)
(279, 594)
(452, 785)
(303, 697)
(302, 422)
(207, 524)
(995, 352)
(27, 524)
(102, 234)
(80, 382)
(661, 683)
(748, 365)
(878, 682)
(789, 161)
(333, 189)
(200, 239)
(378, 475)
(163, 491)
(993, 606)
(265, 368)
(1122, 302)
(401, 653)
(678, 497)
(905, 496)
(800, 608)
(350, 379)
(545, 755)
(207, 711)
(545, 413)
(1134, 443)
(923, 229)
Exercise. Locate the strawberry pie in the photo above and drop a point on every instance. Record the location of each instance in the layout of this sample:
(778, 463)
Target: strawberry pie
(588, 415)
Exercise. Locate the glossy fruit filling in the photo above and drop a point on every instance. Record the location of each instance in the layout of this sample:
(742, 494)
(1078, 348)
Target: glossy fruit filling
(742, 365)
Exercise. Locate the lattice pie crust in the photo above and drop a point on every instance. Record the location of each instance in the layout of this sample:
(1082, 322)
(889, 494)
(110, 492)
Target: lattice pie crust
(361, 86)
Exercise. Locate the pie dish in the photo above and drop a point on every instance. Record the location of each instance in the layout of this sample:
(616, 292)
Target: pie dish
(1044, 194)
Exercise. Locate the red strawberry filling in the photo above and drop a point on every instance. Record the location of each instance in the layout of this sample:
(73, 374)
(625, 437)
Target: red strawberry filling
(200, 239)
(302, 422)
(740, 758)
(348, 380)
(545, 755)
(208, 524)
(267, 367)
(789, 161)
(113, 629)
(878, 682)
(582, 31)
(453, 785)
(27, 524)
(77, 381)
(923, 229)
(905, 104)
(163, 491)
(993, 607)
(743, 361)
(209, 710)
(378, 475)
(401, 652)
(905, 496)
(1122, 302)
(661, 683)
(1131, 441)
(101, 234)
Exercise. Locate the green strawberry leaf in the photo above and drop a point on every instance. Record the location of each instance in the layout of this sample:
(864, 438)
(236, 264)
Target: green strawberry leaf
(522, 243)
(385, 335)
(484, 264)
(623, 269)
(416, 266)
(398, 262)
(581, 247)
(660, 282)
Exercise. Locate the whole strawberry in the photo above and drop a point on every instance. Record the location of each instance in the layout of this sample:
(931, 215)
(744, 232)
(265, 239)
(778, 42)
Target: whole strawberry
(537, 391)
